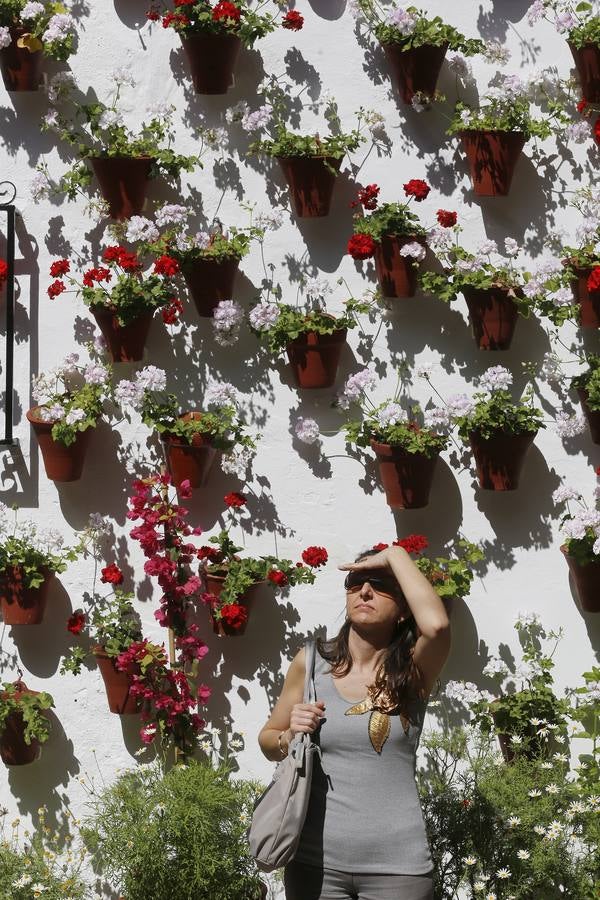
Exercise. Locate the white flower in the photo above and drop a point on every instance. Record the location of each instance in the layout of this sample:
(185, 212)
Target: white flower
(202, 239)
(227, 318)
(355, 385)
(562, 297)
(40, 185)
(237, 462)
(171, 214)
(511, 247)
(403, 20)
(553, 831)
(269, 222)
(503, 873)
(110, 118)
(390, 414)
(486, 248)
(141, 229)
(523, 854)
(95, 373)
(58, 27)
(260, 118)
(528, 620)
(316, 288)
(151, 378)
(32, 9)
(564, 22)
(51, 119)
(221, 393)
(479, 886)
(160, 110)
(535, 12)
(306, 430)
(578, 131)
(567, 426)
(263, 315)
(236, 112)
(495, 666)
(496, 378)
(75, 415)
(5, 38)
(495, 52)
(53, 413)
(552, 788)
(534, 792)
(123, 75)
(23, 881)
(38, 888)
(60, 85)
(514, 820)
(539, 829)
(470, 860)
(414, 249)
(564, 493)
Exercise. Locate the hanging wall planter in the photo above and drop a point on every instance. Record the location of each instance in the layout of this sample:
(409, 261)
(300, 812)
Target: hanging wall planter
(587, 62)
(592, 416)
(311, 180)
(14, 750)
(212, 59)
(23, 605)
(61, 462)
(214, 585)
(492, 157)
(416, 70)
(493, 315)
(210, 281)
(21, 69)
(314, 358)
(125, 343)
(588, 301)
(189, 461)
(397, 275)
(123, 182)
(587, 581)
(406, 477)
(117, 684)
(499, 459)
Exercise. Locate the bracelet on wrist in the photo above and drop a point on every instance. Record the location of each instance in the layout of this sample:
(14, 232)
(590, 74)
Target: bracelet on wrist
(283, 752)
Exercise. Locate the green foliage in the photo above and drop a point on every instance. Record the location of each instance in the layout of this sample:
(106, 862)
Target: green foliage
(294, 321)
(114, 625)
(178, 835)
(88, 398)
(498, 413)
(389, 219)
(31, 707)
(451, 576)
(427, 31)
(130, 296)
(198, 19)
(590, 382)
(499, 115)
(234, 245)
(10, 16)
(407, 434)
(588, 32)
(223, 426)
(33, 553)
(289, 144)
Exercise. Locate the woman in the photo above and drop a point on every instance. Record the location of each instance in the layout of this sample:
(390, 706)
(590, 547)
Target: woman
(364, 837)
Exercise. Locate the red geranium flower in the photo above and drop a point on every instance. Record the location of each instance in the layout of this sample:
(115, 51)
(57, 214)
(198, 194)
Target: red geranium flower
(416, 188)
(76, 622)
(209, 553)
(582, 106)
(234, 615)
(414, 543)
(278, 577)
(293, 20)
(174, 19)
(111, 575)
(226, 10)
(315, 556)
(57, 287)
(122, 257)
(380, 546)
(597, 130)
(593, 282)
(60, 267)
(234, 499)
(3, 270)
(446, 218)
(170, 314)
(100, 273)
(153, 15)
(367, 196)
(361, 246)
(166, 265)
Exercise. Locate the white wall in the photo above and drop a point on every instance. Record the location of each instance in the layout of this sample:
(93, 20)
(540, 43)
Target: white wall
(301, 499)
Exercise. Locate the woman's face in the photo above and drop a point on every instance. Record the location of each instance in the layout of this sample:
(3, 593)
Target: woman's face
(374, 597)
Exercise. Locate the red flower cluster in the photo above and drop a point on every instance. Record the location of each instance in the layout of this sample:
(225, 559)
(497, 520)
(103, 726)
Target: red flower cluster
(234, 615)
(99, 273)
(315, 556)
(122, 257)
(226, 10)
(3, 270)
(57, 287)
(446, 218)
(278, 577)
(597, 130)
(174, 19)
(414, 543)
(111, 575)
(367, 196)
(190, 646)
(293, 20)
(153, 15)
(380, 546)
(210, 553)
(361, 246)
(185, 2)
(582, 106)
(60, 267)
(235, 500)
(416, 188)
(76, 622)
(593, 282)
(171, 312)
(166, 265)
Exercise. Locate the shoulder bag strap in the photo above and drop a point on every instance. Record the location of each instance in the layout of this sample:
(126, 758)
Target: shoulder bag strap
(310, 694)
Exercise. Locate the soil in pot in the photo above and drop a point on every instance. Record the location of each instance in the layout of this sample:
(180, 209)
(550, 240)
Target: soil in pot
(212, 59)
(214, 585)
(415, 70)
(23, 605)
(406, 477)
(499, 459)
(492, 157)
(61, 462)
(589, 301)
(396, 274)
(587, 582)
(14, 751)
(587, 62)
(592, 416)
(493, 315)
(117, 684)
(125, 343)
(21, 69)
(311, 182)
(189, 461)
(314, 358)
(123, 182)
(210, 281)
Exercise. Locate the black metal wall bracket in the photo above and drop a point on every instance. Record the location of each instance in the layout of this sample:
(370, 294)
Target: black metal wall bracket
(8, 192)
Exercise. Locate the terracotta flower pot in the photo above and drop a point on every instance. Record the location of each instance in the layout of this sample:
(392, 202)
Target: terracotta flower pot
(587, 582)
(14, 751)
(123, 181)
(186, 461)
(493, 315)
(214, 585)
(315, 358)
(492, 157)
(212, 59)
(415, 70)
(592, 416)
(406, 477)
(311, 183)
(500, 458)
(587, 62)
(61, 463)
(210, 281)
(23, 605)
(125, 343)
(117, 684)
(589, 301)
(21, 69)
(396, 274)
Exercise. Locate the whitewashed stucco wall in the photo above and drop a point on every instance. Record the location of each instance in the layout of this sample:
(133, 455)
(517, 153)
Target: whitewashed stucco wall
(302, 498)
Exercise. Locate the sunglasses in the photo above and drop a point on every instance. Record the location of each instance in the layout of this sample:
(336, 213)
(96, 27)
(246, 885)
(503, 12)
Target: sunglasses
(354, 581)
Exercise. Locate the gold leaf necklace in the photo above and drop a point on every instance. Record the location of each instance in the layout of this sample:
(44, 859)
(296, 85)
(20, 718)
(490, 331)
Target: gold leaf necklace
(379, 704)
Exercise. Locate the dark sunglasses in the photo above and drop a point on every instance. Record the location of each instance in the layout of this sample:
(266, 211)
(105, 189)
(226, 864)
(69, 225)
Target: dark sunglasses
(354, 581)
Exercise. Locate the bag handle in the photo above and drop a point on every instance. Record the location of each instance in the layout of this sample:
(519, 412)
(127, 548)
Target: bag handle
(310, 691)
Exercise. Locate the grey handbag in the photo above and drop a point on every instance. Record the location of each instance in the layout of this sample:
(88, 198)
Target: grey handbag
(279, 813)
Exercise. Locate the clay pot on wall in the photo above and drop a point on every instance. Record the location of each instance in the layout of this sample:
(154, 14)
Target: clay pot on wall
(492, 157)
(592, 416)
(123, 181)
(117, 684)
(589, 301)
(21, 69)
(311, 182)
(14, 751)
(61, 462)
(189, 461)
(406, 477)
(314, 358)
(23, 605)
(212, 59)
(397, 275)
(587, 62)
(587, 581)
(499, 459)
(416, 70)
(493, 315)
(125, 343)
(210, 281)
(214, 585)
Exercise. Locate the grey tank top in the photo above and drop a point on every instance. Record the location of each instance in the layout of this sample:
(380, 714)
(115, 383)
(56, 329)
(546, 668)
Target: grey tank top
(364, 813)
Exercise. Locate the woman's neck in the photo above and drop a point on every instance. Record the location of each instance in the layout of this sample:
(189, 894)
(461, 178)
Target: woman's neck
(366, 650)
